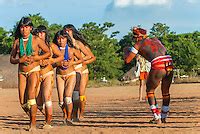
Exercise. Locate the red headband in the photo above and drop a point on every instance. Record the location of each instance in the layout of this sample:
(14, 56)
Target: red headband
(139, 31)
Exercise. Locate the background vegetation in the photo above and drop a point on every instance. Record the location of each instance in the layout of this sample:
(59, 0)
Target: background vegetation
(184, 48)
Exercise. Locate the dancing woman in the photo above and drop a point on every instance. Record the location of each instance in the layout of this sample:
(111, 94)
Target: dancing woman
(65, 73)
(47, 75)
(25, 53)
(82, 71)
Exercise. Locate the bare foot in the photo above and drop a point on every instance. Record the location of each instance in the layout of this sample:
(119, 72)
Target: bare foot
(47, 126)
(75, 120)
(69, 122)
(32, 128)
(163, 120)
(154, 121)
(41, 108)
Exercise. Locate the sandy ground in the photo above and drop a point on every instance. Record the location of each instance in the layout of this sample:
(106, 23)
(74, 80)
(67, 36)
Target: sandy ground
(110, 110)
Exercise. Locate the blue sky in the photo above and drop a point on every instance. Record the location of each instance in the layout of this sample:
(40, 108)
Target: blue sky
(180, 15)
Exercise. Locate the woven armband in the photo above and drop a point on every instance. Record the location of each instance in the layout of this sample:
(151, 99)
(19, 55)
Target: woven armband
(132, 49)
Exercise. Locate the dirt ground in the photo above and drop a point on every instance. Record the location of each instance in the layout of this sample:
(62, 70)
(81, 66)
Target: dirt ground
(110, 110)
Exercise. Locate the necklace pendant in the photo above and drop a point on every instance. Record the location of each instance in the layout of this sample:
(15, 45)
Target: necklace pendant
(62, 48)
(25, 39)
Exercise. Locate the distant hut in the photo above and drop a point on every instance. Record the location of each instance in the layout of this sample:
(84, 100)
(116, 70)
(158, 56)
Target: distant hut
(130, 76)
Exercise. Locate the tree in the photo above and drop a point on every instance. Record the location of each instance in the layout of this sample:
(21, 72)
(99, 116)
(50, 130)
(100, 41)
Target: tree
(53, 28)
(184, 49)
(159, 30)
(108, 62)
(37, 20)
(5, 41)
(124, 42)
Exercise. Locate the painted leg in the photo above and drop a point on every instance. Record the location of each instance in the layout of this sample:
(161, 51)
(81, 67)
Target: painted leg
(23, 93)
(69, 88)
(141, 89)
(32, 85)
(40, 100)
(82, 106)
(48, 115)
(33, 111)
(47, 93)
(60, 89)
(166, 82)
(155, 76)
(68, 102)
(83, 85)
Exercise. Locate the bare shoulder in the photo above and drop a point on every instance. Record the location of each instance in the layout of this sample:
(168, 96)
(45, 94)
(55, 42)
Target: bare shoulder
(78, 44)
(72, 49)
(138, 45)
(16, 42)
(53, 45)
(75, 50)
(87, 48)
(157, 40)
(36, 38)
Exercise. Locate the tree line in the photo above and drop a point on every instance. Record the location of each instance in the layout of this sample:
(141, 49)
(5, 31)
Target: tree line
(184, 48)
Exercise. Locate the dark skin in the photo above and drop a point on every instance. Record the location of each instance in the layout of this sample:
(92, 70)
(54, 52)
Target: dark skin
(150, 49)
(45, 89)
(82, 78)
(27, 85)
(65, 86)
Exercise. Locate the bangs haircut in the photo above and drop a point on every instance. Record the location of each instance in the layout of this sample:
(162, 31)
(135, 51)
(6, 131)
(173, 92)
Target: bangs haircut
(42, 28)
(64, 34)
(76, 34)
(25, 21)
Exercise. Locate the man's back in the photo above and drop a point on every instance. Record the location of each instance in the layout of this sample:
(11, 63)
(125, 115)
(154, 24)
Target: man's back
(150, 48)
(161, 70)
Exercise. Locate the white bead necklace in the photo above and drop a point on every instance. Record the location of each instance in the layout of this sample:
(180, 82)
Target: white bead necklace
(25, 39)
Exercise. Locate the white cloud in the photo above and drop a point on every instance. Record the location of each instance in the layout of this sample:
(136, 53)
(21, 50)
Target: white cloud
(125, 3)
(151, 2)
(122, 3)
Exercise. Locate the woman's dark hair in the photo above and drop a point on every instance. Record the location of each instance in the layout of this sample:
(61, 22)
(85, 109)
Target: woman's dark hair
(76, 34)
(35, 31)
(25, 21)
(42, 28)
(64, 34)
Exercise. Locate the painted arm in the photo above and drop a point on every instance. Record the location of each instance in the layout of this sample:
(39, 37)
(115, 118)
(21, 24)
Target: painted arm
(78, 56)
(130, 53)
(59, 56)
(86, 51)
(72, 61)
(13, 54)
(44, 48)
(92, 57)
